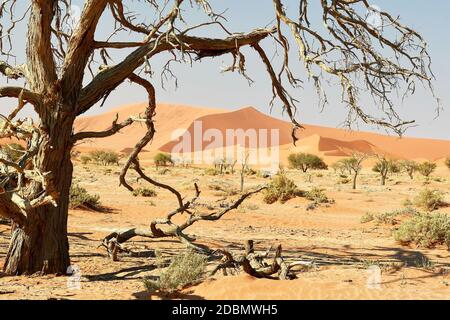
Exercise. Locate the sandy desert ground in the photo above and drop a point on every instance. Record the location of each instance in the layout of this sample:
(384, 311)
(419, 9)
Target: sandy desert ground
(342, 250)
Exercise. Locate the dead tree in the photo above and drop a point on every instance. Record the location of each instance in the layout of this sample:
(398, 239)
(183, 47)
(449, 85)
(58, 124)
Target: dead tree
(67, 70)
(114, 241)
(254, 264)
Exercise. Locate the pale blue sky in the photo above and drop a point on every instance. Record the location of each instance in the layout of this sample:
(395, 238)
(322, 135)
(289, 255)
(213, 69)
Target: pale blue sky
(204, 85)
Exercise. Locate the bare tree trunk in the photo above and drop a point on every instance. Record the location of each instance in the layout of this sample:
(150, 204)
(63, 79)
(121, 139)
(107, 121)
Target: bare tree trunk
(383, 180)
(355, 177)
(41, 244)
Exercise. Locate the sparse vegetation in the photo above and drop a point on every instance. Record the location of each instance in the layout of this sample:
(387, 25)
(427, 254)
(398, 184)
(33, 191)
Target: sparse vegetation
(447, 162)
(101, 157)
(367, 217)
(429, 200)
(354, 166)
(281, 189)
(144, 192)
(163, 160)
(410, 167)
(306, 161)
(384, 167)
(184, 269)
(317, 195)
(425, 230)
(223, 188)
(80, 198)
(426, 168)
(211, 172)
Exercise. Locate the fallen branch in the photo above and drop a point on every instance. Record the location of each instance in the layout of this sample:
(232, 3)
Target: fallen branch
(255, 265)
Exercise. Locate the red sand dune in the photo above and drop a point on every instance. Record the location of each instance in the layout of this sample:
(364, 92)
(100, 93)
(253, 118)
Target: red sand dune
(169, 117)
(316, 139)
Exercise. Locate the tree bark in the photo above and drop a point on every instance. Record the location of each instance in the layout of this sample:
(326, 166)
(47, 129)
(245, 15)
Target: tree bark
(383, 180)
(40, 244)
(355, 177)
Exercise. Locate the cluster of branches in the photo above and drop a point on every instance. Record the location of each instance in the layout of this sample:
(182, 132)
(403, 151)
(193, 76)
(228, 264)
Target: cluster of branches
(17, 174)
(379, 58)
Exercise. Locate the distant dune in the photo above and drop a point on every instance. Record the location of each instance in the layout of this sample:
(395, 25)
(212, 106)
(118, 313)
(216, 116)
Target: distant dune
(328, 142)
(169, 117)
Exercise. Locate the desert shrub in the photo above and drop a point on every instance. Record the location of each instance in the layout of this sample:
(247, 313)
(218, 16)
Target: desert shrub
(426, 168)
(429, 199)
(211, 172)
(223, 189)
(306, 161)
(367, 217)
(251, 172)
(263, 174)
(410, 167)
(184, 269)
(447, 162)
(389, 218)
(317, 195)
(281, 189)
(344, 180)
(144, 192)
(80, 198)
(164, 171)
(85, 159)
(13, 151)
(104, 158)
(425, 230)
(163, 160)
(110, 158)
(339, 167)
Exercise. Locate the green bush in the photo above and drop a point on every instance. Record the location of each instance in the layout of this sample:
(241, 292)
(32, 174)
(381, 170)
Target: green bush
(429, 200)
(426, 168)
(13, 151)
(163, 160)
(79, 198)
(317, 195)
(367, 217)
(281, 189)
(102, 157)
(425, 230)
(447, 162)
(410, 167)
(144, 192)
(184, 269)
(211, 172)
(223, 189)
(85, 159)
(306, 161)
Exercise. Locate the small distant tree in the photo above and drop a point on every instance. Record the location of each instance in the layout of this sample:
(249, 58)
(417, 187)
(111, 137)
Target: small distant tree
(306, 161)
(447, 162)
(13, 151)
(384, 167)
(163, 160)
(340, 166)
(410, 167)
(102, 157)
(354, 166)
(426, 168)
